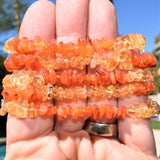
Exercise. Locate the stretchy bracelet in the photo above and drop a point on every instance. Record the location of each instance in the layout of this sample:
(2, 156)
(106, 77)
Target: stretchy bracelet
(70, 76)
(122, 43)
(48, 61)
(23, 109)
(44, 92)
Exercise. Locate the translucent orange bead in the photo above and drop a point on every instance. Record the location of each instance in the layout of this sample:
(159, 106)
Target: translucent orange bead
(42, 109)
(75, 112)
(61, 112)
(64, 78)
(143, 110)
(120, 76)
(124, 112)
(102, 111)
(137, 41)
(32, 111)
(95, 113)
(109, 112)
(131, 41)
(52, 110)
(118, 112)
(10, 45)
(18, 108)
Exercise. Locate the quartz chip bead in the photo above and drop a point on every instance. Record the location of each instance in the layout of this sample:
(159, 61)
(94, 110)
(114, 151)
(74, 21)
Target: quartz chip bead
(130, 41)
(154, 107)
(146, 109)
(18, 108)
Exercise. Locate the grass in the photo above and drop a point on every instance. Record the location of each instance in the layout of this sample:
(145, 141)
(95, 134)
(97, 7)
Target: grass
(155, 124)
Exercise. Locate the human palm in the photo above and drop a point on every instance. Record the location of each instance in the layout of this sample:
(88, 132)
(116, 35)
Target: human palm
(47, 138)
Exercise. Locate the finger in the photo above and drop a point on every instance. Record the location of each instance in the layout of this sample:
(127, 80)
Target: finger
(102, 23)
(102, 20)
(71, 24)
(71, 20)
(136, 133)
(38, 20)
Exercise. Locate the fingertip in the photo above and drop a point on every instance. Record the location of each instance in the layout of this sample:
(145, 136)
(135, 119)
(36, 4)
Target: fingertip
(39, 20)
(102, 19)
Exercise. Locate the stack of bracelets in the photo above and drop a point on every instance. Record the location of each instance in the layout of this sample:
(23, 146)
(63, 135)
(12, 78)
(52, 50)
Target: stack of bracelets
(43, 71)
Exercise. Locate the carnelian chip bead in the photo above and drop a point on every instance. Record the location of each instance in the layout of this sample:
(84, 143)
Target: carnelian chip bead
(88, 112)
(113, 77)
(52, 110)
(103, 44)
(52, 77)
(109, 111)
(64, 78)
(118, 112)
(120, 76)
(61, 113)
(124, 112)
(75, 112)
(68, 110)
(35, 65)
(102, 111)
(10, 44)
(93, 79)
(18, 59)
(65, 48)
(10, 65)
(107, 43)
(42, 109)
(82, 111)
(95, 113)
(81, 77)
(135, 57)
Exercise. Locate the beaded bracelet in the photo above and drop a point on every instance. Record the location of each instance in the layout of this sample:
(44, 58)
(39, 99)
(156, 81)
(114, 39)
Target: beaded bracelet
(45, 92)
(122, 43)
(35, 62)
(23, 109)
(70, 76)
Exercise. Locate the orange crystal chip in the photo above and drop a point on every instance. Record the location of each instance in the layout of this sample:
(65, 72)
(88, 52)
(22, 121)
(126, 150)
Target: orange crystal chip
(10, 45)
(42, 109)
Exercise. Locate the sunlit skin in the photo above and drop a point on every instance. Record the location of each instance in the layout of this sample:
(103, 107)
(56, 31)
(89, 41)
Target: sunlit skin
(47, 138)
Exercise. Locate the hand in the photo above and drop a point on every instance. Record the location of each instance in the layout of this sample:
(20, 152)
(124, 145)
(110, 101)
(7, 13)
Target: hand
(47, 138)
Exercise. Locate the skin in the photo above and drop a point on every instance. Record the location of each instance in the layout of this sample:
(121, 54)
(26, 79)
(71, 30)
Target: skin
(48, 139)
